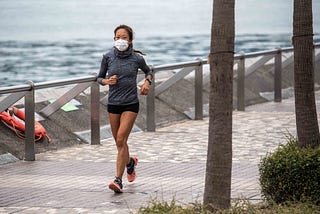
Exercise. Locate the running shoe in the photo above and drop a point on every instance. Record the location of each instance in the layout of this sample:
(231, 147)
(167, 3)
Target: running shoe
(131, 172)
(116, 185)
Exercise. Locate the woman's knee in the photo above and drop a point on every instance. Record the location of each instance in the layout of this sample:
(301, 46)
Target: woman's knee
(121, 142)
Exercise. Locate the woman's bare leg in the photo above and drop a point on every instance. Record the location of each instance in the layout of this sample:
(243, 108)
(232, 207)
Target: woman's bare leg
(121, 126)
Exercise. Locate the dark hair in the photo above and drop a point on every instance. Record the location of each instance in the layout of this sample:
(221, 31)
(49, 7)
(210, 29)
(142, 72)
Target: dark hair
(127, 28)
(130, 33)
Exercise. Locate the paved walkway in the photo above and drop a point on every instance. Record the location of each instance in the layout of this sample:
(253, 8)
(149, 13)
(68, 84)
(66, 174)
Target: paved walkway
(171, 165)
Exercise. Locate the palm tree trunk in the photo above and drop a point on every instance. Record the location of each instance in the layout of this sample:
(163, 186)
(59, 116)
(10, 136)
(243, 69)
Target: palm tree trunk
(217, 192)
(305, 107)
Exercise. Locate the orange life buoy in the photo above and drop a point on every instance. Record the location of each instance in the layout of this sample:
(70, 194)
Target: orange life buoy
(14, 119)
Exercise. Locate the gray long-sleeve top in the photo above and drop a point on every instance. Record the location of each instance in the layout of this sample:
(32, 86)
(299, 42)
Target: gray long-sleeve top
(125, 65)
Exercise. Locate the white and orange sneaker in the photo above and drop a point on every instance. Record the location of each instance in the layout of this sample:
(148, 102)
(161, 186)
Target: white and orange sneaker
(116, 185)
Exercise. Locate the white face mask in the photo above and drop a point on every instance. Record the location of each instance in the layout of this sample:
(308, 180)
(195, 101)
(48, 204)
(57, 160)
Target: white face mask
(121, 44)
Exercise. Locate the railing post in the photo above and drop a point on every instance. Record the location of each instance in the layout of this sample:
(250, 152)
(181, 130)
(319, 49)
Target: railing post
(240, 83)
(278, 76)
(198, 101)
(95, 113)
(29, 124)
(314, 59)
(150, 117)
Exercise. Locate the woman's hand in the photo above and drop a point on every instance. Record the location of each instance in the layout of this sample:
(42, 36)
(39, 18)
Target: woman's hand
(145, 88)
(110, 81)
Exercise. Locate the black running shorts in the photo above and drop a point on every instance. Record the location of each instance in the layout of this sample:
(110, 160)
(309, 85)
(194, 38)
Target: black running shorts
(117, 109)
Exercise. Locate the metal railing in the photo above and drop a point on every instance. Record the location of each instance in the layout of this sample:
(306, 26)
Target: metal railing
(241, 72)
(27, 91)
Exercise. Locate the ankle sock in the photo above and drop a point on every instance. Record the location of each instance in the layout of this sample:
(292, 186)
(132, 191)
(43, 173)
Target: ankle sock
(119, 181)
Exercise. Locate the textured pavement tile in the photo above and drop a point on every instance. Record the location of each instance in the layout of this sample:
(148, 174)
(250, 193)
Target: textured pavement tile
(171, 165)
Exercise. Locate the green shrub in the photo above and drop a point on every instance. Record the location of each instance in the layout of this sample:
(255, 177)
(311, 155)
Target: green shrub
(291, 174)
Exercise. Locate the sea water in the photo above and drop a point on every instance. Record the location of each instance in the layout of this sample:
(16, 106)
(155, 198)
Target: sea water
(51, 40)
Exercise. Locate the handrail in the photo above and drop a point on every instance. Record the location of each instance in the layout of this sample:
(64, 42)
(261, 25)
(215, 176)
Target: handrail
(179, 65)
(14, 89)
(47, 84)
(57, 83)
(267, 52)
(28, 89)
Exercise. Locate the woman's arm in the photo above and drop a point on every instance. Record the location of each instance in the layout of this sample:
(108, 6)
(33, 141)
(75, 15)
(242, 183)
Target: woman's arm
(103, 71)
(102, 76)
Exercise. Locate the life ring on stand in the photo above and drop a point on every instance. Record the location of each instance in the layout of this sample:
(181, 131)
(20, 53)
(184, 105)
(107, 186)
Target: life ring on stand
(14, 119)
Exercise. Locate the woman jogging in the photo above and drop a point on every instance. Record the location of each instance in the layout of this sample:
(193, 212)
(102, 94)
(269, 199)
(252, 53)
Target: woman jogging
(119, 69)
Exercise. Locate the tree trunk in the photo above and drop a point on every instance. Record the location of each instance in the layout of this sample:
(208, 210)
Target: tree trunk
(305, 107)
(217, 193)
